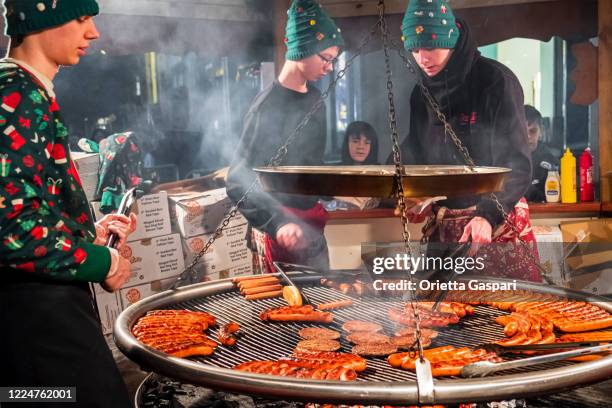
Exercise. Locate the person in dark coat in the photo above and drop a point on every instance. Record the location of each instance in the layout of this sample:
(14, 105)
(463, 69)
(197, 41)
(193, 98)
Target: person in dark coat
(483, 102)
(290, 227)
(360, 146)
(542, 159)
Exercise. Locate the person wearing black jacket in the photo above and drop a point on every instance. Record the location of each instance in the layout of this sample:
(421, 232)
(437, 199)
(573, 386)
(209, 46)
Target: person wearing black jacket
(292, 225)
(541, 156)
(483, 102)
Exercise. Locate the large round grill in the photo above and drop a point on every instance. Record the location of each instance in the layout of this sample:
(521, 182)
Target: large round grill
(379, 384)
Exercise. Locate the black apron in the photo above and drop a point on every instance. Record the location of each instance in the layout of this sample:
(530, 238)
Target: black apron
(52, 337)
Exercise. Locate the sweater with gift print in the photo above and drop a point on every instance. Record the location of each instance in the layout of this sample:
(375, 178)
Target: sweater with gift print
(46, 227)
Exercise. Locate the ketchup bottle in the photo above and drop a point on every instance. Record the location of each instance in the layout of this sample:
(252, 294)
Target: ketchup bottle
(586, 176)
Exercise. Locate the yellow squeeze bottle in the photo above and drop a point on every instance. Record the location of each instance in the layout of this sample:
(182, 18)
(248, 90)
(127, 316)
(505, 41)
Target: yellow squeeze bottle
(568, 177)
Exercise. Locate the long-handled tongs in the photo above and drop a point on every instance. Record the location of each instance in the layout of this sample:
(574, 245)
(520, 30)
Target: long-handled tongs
(500, 350)
(485, 368)
(460, 251)
(125, 207)
(305, 300)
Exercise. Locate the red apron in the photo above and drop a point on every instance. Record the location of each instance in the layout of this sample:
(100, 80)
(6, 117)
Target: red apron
(510, 260)
(315, 218)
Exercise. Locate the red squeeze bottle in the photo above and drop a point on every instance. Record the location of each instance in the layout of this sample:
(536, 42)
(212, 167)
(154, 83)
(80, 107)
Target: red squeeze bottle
(586, 176)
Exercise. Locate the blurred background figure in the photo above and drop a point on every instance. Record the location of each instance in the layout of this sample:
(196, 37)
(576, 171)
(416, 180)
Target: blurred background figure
(360, 145)
(542, 158)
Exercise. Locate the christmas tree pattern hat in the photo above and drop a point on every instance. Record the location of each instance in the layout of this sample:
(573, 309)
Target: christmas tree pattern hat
(429, 24)
(27, 16)
(309, 30)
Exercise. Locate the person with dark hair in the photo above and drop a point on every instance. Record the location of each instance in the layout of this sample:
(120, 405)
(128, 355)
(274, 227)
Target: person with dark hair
(291, 226)
(483, 102)
(542, 158)
(50, 247)
(360, 145)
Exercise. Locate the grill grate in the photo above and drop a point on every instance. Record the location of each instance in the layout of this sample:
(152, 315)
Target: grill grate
(271, 341)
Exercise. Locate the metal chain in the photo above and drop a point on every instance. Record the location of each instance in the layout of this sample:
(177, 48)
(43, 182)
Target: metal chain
(276, 160)
(399, 170)
(448, 130)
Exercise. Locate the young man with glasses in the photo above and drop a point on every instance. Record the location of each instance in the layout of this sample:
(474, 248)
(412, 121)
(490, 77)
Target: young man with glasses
(292, 225)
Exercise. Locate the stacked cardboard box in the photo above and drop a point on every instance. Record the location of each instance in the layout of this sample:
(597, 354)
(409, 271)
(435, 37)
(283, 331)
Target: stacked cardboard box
(156, 255)
(88, 166)
(550, 251)
(588, 255)
(109, 307)
(196, 215)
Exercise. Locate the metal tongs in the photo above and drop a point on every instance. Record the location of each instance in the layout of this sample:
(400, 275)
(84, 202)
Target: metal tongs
(500, 350)
(485, 368)
(305, 300)
(125, 207)
(460, 251)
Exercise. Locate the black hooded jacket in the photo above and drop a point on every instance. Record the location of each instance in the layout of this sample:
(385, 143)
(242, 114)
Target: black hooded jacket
(483, 101)
(273, 116)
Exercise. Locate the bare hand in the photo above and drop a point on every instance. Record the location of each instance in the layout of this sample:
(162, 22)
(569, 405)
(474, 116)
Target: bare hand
(117, 280)
(115, 223)
(291, 237)
(480, 231)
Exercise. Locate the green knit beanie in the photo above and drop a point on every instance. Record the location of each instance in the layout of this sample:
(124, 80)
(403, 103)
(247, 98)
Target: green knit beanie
(429, 24)
(309, 30)
(27, 16)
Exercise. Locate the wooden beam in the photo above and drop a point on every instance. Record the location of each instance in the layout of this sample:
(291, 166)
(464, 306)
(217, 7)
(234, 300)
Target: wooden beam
(355, 8)
(280, 21)
(605, 99)
(225, 10)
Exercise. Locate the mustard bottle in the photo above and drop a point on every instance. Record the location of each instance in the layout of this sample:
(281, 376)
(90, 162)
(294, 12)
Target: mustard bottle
(568, 177)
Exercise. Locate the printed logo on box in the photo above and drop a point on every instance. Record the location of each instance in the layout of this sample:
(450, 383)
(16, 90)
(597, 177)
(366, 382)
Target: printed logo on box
(133, 295)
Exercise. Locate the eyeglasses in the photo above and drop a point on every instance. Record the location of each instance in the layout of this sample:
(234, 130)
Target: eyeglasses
(327, 60)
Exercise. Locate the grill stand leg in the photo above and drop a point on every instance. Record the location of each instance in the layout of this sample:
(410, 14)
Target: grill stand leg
(425, 384)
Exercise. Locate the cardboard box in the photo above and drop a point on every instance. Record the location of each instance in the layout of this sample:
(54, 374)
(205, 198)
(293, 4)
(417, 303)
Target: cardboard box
(109, 307)
(86, 163)
(550, 249)
(599, 283)
(153, 216)
(197, 213)
(88, 166)
(154, 258)
(239, 270)
(129, 296)
(229, 250)
(588, 244)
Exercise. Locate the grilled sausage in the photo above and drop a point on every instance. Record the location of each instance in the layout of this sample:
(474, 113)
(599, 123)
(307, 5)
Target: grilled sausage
(261, 289)
(335, 305)
(580, 326)
(296, 314)
(252, 283)
(226, 334)
(264, 295)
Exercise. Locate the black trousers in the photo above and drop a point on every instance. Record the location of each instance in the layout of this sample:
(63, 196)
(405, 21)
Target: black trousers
(50, 336)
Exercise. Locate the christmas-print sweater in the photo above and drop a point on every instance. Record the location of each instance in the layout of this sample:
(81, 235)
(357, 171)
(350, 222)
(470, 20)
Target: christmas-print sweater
(46, 227)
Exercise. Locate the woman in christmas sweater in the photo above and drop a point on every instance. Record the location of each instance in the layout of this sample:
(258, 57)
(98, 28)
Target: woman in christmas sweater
(50, 248)
(483, 102)
(292, 225)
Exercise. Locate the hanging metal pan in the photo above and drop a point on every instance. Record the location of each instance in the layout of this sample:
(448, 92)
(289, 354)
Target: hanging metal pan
(378, 181)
